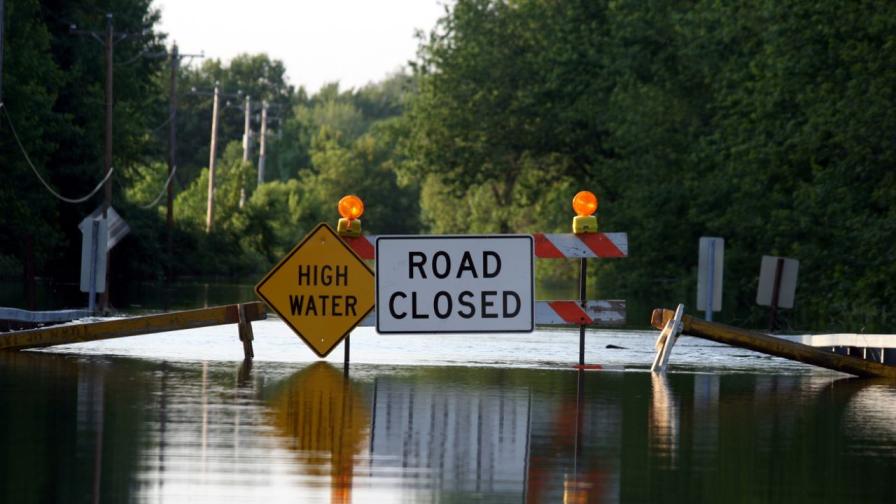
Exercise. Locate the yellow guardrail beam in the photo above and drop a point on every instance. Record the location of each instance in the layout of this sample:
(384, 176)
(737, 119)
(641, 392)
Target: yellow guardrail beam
(133, 326)
(771, 345)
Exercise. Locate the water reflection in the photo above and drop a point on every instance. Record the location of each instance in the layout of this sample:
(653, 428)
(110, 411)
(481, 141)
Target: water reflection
(664, 421)
(461, 437)
(80, 429)
(326, 422)
(89, 422)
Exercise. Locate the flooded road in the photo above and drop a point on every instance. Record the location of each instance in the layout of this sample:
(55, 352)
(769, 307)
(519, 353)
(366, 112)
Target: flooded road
(177, 417)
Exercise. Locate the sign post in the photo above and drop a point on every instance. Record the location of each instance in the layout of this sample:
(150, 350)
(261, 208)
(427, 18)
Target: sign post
(711, 264)
(777, 285)
(94, 243)
(99, 234)
(321, 289)
(454, 284)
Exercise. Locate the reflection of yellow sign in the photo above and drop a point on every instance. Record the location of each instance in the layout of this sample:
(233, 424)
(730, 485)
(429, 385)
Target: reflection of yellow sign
(325, 420)
(321, 289)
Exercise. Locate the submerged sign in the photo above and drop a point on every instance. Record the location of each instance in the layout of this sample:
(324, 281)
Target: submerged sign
(454, 284)
(321, 289)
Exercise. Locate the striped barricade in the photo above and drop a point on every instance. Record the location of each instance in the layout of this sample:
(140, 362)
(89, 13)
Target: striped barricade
(547, 245)
(559, 313)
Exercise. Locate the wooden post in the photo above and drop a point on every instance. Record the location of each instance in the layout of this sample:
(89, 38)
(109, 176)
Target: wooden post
(774, 346)
(107, 157)
(244, 373)
(2, 36)
(247, 146)
(262, 140)
(172, 160)
(247, 129)
(210, 211)
(245, 331)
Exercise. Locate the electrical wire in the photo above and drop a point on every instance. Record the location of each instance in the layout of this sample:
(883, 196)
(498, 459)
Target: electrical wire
(36, 173)
(157, 128)
(144, 52)
(162, 192)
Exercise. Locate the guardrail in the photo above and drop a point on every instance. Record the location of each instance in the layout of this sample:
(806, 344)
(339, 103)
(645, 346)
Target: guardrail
(242, 314)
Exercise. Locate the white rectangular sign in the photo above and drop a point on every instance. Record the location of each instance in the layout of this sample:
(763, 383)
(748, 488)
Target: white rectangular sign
(787, 287)
(454, 284)
(94, 254)
(710, 266)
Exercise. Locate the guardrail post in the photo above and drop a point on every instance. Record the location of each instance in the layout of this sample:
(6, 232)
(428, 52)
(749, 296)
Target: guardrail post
(245, 331)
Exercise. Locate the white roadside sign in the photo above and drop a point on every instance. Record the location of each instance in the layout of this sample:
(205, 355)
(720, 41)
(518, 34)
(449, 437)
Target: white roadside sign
(454, 284)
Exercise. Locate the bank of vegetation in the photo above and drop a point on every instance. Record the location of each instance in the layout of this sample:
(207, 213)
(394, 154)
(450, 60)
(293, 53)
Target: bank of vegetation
(770, 124)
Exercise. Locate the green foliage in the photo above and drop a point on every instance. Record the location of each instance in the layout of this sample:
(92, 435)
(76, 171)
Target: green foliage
(764, 123)
(53, 91)
(30, 83)
(768, 124)
(255, 75)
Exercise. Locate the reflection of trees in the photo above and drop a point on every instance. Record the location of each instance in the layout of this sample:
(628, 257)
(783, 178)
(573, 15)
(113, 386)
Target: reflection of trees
(325, 419)
(69, 427)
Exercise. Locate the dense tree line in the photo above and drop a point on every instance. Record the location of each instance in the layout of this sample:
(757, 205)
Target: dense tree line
(769, 124)
(766, 123)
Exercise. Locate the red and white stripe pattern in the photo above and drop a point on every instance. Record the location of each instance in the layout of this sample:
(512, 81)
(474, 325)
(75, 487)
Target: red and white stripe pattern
(599, 313)
(549, 313)
(547, 245)
(587, 245)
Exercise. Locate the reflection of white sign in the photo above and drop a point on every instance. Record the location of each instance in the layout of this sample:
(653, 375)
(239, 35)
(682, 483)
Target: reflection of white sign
(783, 270)
(453, 284)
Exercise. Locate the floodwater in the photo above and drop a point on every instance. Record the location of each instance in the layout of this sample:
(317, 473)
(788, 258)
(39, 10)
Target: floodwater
(178, 417)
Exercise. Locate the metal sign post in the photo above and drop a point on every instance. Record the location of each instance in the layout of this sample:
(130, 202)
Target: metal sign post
(777, 285)
(91, 299)
(709, 275)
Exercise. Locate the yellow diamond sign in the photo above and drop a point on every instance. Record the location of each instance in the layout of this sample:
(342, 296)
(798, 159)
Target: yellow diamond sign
(321, 289)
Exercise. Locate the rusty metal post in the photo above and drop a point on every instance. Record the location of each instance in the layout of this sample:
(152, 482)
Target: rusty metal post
(583, 300)
(346, 347)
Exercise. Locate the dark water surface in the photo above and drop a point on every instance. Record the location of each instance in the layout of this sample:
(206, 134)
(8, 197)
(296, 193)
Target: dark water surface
(93, 428)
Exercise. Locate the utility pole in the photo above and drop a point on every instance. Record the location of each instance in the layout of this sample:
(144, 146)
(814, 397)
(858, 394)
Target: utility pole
(247, 130)
(109, 39)
(172, 149)
(247, 146)
(209, 217)
(172, 154)
(107, 158)
(263, 136)
(2, 36)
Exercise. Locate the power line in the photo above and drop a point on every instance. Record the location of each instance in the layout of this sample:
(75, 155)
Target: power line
(34, 169)
(157, 128)
(162, 192)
